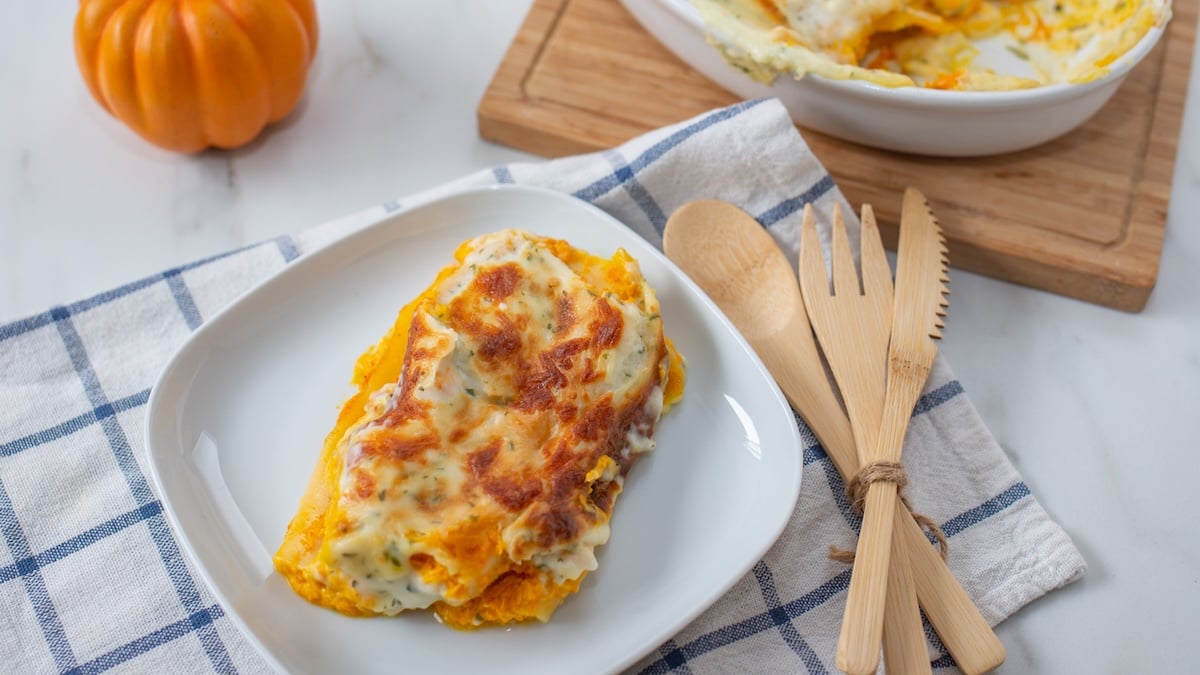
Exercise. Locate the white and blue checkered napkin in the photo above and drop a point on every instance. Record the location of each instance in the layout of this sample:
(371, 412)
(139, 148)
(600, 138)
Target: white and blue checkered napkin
(92, 577)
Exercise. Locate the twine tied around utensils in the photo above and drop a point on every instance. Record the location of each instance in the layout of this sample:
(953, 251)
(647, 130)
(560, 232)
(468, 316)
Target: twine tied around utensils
(856, 491)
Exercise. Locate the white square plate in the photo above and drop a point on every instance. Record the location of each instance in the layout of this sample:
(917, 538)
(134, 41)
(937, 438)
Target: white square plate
(237, 419)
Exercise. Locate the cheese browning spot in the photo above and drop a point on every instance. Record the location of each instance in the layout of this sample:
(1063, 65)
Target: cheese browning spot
(498, 283)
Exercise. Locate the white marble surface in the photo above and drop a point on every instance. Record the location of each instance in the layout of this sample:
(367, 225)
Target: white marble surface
(1099, 409)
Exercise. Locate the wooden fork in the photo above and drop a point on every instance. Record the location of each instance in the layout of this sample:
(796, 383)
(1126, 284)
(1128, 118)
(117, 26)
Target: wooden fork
(853, 324)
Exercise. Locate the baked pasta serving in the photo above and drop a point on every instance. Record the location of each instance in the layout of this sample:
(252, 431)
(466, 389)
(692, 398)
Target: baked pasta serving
(475, 469)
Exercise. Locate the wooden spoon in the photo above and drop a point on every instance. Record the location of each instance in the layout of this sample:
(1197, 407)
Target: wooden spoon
(737, 263)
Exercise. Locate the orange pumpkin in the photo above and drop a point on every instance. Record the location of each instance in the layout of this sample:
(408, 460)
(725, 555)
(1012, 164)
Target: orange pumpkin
(189, 74)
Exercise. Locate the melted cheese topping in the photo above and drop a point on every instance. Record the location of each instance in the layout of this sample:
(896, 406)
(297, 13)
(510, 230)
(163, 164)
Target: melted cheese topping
(932, 43)
(476, 468)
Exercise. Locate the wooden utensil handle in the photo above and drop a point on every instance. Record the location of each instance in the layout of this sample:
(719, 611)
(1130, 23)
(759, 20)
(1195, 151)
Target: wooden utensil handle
(904, 648)
(904, 388)
(962, 629)
(862, 622)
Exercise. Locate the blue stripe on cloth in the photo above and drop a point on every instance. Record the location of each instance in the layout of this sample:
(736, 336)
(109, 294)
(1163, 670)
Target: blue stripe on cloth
(74, 424)
(25, 325)
(766, 585)
(199, 620)
(641, 196)
(944, 662)
(79, 542)
(789, 206)
(814, 453)
(727, 635)
(807, 437)
(672, 660)
(35, 587)
(287, 248)
(21, 326)
(183, 298)
(931, 636)
(986, 510)
(502, 175)
(96, 396)
(160, 533)
(188, 592)
(837, 487)
(603, 186)
(937, 397)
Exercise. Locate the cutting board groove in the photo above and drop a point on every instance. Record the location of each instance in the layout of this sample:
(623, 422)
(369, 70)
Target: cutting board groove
(1082, 216)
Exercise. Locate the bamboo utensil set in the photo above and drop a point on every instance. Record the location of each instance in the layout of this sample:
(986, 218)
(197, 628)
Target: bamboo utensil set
(879, 346)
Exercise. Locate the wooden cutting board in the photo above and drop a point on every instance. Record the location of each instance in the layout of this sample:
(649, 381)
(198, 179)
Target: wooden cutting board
(1082, 216)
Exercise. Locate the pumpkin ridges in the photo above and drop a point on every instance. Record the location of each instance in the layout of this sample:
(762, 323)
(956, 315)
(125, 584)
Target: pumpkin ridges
(305, 14)
(307, 11)
(234, 92)
(166, 82)
(281, 44)
(90, 24)
(117, 74)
